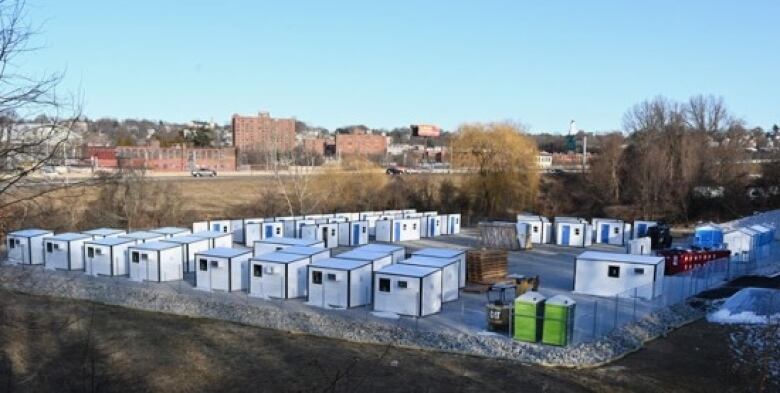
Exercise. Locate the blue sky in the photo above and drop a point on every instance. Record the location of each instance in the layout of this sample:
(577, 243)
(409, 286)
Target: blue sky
(393, 63)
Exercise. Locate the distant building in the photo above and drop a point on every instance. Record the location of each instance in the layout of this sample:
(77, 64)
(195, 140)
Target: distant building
(315, 145)
(361, 144)
(544, 160)
(263, 133)
(164, 159)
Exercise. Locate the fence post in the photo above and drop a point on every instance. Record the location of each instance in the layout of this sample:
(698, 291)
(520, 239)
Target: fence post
(595, 317)
(617, 305)
(635, 295)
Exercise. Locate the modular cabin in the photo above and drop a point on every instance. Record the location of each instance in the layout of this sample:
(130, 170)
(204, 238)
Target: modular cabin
(640, 227)
(25, 247)
(101, 233)
(572, 232)
(200, 226)
(336, 220)
(239, 229)
(170, 232)
(708, 237)
(450, 273)
(408, 211)
(106, 256)
(222, 269)
(313, 253)
(297, 225)
(447, 253)
(378, 259)
(610, 274)
(430, 226)
(190, 245)
(216, 239)
(255, 231)
(397, 252)
(349, 216)
(277, 243)
(222, 226)
(156, 261)
(640, 246)
(353, 233)
(398, 230)
(278, 275)
(450, 224)
(738, 243)
(328, 234)
(430, 213)
(408, 290)
(339, 283)
(392, 212)
(143, 236)
(64, 251)
(413, 215)
(539, 227)
(288, 225)
(609, 231)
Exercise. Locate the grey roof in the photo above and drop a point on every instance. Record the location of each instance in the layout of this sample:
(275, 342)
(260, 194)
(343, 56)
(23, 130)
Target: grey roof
(224, 252)
(32, 232)
(380, 248)
(439, 252)
(430, 261)
(289, 241)
(104, 231)
(340, 264)
(407, 270)
(280, 257)
(303, 250)
(169, 230)
(110, 241)
(186, 239)
(210, 234)
(615, 257)
(155, 246)
(142, 235)
(68, 236)
(363, 255)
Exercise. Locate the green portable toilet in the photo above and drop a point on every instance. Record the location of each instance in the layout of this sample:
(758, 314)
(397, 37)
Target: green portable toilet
(529, 313)
(558, 320)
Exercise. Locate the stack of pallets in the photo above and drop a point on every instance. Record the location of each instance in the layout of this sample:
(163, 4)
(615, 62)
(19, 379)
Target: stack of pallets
(486, 266)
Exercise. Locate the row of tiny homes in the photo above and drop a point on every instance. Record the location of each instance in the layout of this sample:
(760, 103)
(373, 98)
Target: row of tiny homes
(578, 232)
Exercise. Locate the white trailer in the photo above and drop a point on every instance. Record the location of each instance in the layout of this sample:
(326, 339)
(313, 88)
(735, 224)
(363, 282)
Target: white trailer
(156, 261)
(450, 224)
(25, 247)
(378, 259)
(64, 251)
(222, 226)
(575, 233)
(216, 239)
(353, 233)
(143, 236)
(339, 283)
(278, 276)
(408, 290)
(610, 274)
(397, 252)
(640, 246)
(100, 233)
(397, 230)
(430, 226)
(450, 273)
(447, 253)
(640, 227)
(200, 226)
(255, 231)
(222, 269)
(170, 232)
(540, 228)
(328, 234)
(239, 229)
(190, 245)
(106, 256)
(278, 243)
(609, 231)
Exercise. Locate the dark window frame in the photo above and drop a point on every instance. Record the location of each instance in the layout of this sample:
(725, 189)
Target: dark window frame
(384, 285)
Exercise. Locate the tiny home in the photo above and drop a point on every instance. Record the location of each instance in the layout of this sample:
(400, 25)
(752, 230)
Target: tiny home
(430, 213)
(100, 233)
(297, 225)
(378, 259)
(25, 247)
(640, 246)
(255, 231)
(190, 245)
(336, 220)
(277, 243)
(708, 236)
(349, 216)
(408, 290)
(430, 226)
(313, 253)
(339, 283)
(239, 229)
(353, 233)
(278, 275)
(571, 232)
(106, 256)
(156, 261)
(447, 253)
(609, 231)
(169, 232)
(540, 228)
(640, 228)
(397, 252)
(398, 230)
(216, 239)
(413, 215)
(328, 234)
(450, 273)
(143, 236)
(222, 269)
(408, 211)
(738, 243)
(450, 224)
(222, 226)
(200, 226)
(64, 251)
(609, 274)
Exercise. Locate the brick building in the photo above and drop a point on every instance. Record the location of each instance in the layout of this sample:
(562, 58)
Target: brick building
(263, 133)
(361, 144)
(163, 159)
(315, 145)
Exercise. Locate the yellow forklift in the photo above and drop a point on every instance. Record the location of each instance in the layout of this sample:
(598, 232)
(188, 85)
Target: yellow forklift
(501, 297)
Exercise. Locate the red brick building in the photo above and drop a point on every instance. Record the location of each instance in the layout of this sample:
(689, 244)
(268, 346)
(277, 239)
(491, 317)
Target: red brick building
(361, 144)
(164, 159)
(263, 133)
(315, 145)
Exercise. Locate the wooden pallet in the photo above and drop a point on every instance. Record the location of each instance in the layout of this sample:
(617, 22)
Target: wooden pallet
(486, 266)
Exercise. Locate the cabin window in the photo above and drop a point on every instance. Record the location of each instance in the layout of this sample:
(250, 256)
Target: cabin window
(316, 277)
(576, 231)
(279, 248)
(278, 230)
(404, 226)
(333, 232)
(11, 243)
(98, 251)
(364, 229)
(90, 252)
(257, 270)
(135, 257)
(402, 284)
(331, 276)
(144, 257)
(224, 229)
(457, 220)
(614, 271)
(639, 270)
(49, 247)
(535, 229)
(616, 230)
(414, 226)
(384, 285)
(204, 265)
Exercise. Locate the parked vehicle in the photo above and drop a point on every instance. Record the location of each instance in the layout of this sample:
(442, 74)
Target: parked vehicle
(200, 172)
(394, 171)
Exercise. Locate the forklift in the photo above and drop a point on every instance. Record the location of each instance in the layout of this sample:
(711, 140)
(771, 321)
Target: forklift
(501, 297)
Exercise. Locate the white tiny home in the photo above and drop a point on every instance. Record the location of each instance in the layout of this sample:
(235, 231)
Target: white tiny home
(640, 246)
(397, 230)
(430, 226)
(397, 252)
(143, 236)
(200, 226)
(64, 251)
(25, 247)
(408, 211)
(222, 269)
(190, 245)
(297, 225)
(430, 213)
(336, 220)
(413, 215)
(169, 232)
(222, 226)
(353, 233)
(106, 256)
(447, 253)
(275, 244)
(288, 225)
(239, 229)
(640, 227)
(327, 233)
(255, 231)
(610, 274)
(349, 216)
(450, 273)
(573, 233)
(408, 290)
(339, 283)
(313, 253)
(739, 242)
(100, 233)
(450, 224)
(608, 231)
(378, 259)
(392, 212)
(216, 239)
(278, 276)
(539, 226)
(156, 261)
(365, 215)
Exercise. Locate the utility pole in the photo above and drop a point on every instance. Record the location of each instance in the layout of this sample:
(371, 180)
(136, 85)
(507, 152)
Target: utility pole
(584, 152)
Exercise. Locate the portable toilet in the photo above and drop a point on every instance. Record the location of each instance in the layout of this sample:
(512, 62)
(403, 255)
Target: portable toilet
(313, 253)
(222, 269)
(765, 234)
(640, 228)
(216, 239)
(100, 233)
(254, 231)
(190, 245)
(540, 228)
(378, 259)
(339, 283)
(738, 243)
(143, 236)
(278, 275)
(64, 251)
(558, 326)
(408, 290)
(608, 231)
(708, 237)
(156, 261)
(277, 243)
(327, 233)
(529, 317)
(397, 252)
(169, 232)
(450, 273)
(353, 233)
(106, 256)
(447, 253)
(397, 230)
(450, 224)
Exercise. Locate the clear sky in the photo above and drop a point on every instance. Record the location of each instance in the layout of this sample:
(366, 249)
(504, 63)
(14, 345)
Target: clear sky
(393, 63)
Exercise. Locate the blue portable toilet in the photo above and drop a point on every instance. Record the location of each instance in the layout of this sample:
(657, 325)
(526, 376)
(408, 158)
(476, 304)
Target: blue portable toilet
(708, 237)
